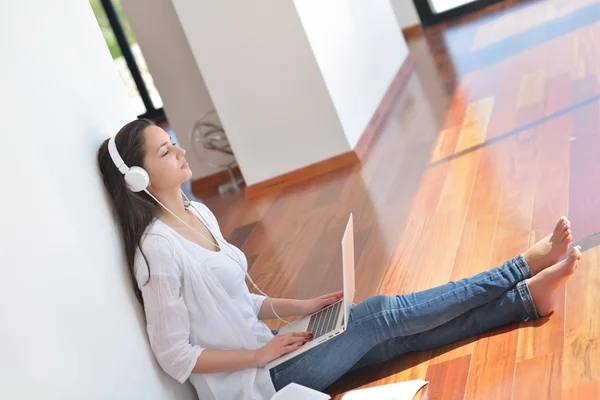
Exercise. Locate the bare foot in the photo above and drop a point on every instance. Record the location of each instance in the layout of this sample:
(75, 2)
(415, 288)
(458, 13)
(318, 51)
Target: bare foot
(544, 285)
(550, 249)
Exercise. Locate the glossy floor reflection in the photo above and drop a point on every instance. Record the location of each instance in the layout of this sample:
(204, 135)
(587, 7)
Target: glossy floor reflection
(494, 138)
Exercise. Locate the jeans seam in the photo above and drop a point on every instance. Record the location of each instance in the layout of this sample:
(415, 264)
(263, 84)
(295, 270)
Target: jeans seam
(525, 295)
(496, 273)
(523, 266)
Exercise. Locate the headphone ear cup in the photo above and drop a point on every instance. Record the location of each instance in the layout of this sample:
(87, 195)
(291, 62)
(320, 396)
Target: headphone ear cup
(137, 179)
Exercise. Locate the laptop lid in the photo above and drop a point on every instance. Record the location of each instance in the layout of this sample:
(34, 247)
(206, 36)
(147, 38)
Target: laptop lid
(348, 267)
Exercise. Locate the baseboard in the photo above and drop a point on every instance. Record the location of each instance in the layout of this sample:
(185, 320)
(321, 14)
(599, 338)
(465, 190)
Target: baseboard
(211, 181)
(301, 174)
(413, 31)
(372, 129)
(359, 153)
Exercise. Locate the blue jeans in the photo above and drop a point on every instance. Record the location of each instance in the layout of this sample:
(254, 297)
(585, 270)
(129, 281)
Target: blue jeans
(384, 327)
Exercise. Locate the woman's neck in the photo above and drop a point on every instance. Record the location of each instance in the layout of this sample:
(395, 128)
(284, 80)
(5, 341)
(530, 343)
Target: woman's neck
(173, 200)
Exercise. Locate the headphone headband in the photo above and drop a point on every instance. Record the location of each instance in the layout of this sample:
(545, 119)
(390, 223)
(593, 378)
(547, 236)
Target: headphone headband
(136, 178)
(116, 157)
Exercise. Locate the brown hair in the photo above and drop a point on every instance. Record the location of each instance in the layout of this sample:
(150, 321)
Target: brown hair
(134, 211)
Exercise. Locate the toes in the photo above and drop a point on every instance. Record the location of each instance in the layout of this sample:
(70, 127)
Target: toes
(575, 253)
(561, 226)
(561, 223)
(566, 235)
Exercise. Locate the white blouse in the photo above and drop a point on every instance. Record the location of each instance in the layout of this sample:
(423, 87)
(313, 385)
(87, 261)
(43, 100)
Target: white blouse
(197, 299)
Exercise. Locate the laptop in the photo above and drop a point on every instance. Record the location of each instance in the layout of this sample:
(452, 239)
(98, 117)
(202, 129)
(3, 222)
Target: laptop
(330, 321)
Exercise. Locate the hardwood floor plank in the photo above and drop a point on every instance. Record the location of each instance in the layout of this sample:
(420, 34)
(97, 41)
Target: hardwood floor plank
(539, 378)
(452, 351)
(448, 221)
(407, 255)
(559, 93)
(516, 201)
(240, 235)
(532, 89)
(582, 323)
(503, 118)
(447, 380)
(493, 365)
(585, 172)
(590, 390)
(445, 144)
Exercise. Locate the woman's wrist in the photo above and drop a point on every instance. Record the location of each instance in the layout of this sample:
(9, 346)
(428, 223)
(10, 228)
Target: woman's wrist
(255, 356)
(303, 307)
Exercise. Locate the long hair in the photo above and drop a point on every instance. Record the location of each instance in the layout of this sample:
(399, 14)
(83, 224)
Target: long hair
(134, 211)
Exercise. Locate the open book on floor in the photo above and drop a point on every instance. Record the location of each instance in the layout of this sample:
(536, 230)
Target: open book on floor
(393, 391)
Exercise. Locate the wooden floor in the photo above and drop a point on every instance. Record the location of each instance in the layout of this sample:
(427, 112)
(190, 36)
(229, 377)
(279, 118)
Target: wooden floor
(496, 136)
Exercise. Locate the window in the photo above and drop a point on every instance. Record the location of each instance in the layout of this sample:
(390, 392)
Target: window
(128, 58)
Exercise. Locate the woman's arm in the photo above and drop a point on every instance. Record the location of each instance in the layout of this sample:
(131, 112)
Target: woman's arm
(289, 307)
(211, 361)
(169, 326)
(168, 323)
(283, 307)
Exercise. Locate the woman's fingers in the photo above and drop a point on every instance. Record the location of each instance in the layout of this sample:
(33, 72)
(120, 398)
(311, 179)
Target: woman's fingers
(297, 335)
(290, 348)
(294, 340)
(332, 295)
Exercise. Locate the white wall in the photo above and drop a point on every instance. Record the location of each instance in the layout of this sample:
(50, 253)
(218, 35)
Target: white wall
(174, 71)
(265, 83)
(406, 13)
(359, 48)
(71, 328)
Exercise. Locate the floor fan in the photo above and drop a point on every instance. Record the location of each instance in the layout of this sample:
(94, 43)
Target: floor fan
(208, 134)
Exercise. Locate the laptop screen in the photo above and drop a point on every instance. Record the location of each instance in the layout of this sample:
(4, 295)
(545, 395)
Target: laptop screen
(348, 266)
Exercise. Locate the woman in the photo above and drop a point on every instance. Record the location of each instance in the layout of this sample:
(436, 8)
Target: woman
(204, 324)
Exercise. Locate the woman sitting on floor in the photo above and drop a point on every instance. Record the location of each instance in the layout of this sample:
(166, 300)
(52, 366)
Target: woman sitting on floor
(204, 324)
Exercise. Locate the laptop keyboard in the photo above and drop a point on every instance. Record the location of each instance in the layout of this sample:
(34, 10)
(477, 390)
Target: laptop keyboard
(324, 321)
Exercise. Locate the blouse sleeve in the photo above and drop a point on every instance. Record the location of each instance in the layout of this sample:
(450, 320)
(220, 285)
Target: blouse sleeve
(167, 318)
(257, 301)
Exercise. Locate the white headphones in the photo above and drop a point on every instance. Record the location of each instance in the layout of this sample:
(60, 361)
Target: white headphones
(137, 178)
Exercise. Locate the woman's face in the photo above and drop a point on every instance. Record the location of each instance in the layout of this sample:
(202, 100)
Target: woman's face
(164, 162)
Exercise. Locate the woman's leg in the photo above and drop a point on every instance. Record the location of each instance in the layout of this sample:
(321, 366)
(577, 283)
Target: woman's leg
(422, 311)
(499, 312)
(376, 323)
(323, 365)
(413, 313)
(380, 318)
(538, 293)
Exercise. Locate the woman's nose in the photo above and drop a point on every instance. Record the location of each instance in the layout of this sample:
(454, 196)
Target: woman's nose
(181, 152)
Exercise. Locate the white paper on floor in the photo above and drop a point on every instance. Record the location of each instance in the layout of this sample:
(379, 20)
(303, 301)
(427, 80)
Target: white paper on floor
(393, 391)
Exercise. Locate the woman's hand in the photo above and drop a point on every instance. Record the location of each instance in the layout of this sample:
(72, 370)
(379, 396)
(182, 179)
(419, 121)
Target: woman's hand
(280, 345)
(313, 305)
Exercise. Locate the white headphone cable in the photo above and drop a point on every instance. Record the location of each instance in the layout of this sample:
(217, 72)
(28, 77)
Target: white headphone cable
(215, 244)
